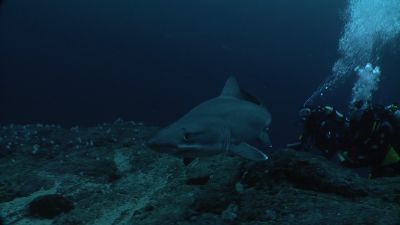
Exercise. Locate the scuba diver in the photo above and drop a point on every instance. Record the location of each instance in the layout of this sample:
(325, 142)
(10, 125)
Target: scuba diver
(324, 128)
(376, 143)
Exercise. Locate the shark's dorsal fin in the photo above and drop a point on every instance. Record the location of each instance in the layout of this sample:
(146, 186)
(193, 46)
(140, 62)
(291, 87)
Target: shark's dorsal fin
(232, 89)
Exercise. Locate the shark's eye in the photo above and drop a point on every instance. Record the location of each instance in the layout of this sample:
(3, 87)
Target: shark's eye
(186, 136)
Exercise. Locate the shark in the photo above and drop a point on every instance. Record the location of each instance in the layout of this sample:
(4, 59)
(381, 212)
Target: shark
(222, 124)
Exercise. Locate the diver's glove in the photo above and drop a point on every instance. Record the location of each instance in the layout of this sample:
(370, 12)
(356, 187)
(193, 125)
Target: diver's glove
(350, 164)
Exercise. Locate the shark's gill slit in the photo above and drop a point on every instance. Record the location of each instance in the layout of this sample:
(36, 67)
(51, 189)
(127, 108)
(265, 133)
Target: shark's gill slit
(223, 139)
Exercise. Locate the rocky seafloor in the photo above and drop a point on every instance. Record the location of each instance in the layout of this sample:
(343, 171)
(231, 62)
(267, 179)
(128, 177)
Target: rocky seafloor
(107, 175)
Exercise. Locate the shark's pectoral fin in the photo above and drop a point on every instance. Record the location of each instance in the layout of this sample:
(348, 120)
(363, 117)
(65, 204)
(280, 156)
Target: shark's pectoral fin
(248, 152)
(187, 161)
(264, 138)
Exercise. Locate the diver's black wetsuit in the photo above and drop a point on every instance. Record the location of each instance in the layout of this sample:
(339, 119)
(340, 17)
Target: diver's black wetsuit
(376, 152)
(326, 129)
(377, 141)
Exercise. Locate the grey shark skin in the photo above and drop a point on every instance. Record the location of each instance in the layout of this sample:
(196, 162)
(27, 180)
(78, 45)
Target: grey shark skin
(221, 124)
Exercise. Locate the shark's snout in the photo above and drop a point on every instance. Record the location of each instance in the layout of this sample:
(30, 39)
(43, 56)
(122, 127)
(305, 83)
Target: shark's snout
(156, 144)
(151, 143)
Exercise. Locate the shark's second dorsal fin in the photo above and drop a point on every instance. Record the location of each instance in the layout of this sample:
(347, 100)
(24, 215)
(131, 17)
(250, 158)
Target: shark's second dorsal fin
(232, 89)
(249, 97)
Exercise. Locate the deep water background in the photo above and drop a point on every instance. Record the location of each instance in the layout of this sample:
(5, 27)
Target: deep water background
(88, 62)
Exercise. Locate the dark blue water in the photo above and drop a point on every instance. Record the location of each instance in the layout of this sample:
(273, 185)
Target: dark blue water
(88, 62)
